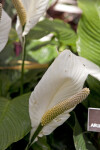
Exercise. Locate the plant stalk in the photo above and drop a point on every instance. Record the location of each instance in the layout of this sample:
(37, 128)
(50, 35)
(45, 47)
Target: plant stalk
(22, 69)
(34, 137)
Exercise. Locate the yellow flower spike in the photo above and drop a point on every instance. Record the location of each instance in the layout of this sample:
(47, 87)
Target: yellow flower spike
(64, 105)
(0, 10)
(20, 10)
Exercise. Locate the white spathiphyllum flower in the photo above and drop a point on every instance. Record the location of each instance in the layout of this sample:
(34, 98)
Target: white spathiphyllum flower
(5, 26)
(34, 10)
(63, 79)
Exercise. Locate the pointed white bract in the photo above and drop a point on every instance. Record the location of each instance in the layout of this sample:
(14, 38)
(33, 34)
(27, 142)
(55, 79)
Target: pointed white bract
(64, 78)
(34, 10)
(5, 26)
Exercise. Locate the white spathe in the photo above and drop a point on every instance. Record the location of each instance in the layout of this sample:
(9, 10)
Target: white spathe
(64, 78)
(67, 8)
(5, 26)
(34, 10)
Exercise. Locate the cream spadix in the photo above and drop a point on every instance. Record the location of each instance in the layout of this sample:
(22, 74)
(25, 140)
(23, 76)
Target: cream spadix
(64, 105)
(20, 11)
(63, 79)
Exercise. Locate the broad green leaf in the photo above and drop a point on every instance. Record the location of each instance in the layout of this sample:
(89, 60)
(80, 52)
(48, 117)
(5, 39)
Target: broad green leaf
(93, 99)
(14, 120)
(7, 79)
(80, 140)
(37, 44)
(7, 54)
(88, 43)
(78, 137)
(4, 84)
(44, 54)
(94, 84)
(61, 30)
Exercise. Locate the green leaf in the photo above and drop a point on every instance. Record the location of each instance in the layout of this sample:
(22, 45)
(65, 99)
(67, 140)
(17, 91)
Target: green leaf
(93, 99)
(7, 54)
(94, 84)
(61, 30)
(41, 144)
(78, 137)
(14, 120)
(88, 44)
(44, 54)
(80, 140)
(7, 79)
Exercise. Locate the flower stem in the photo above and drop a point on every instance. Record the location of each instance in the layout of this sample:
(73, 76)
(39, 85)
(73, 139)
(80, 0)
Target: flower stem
(22, 69)
(34, 137)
